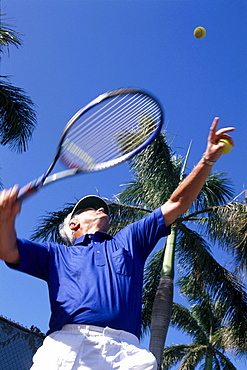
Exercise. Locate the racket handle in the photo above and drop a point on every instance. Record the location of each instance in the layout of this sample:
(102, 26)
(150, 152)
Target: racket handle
(31, 188)
(25, 192)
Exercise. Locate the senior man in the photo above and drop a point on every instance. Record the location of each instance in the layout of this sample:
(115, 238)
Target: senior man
(95, 285)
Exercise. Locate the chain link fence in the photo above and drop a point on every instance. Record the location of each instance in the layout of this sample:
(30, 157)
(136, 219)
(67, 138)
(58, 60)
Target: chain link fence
(18, 345)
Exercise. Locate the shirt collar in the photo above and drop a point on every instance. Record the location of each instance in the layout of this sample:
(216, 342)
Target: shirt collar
(86, 239)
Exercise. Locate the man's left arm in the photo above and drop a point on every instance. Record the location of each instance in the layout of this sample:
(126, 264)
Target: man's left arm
(189, 188)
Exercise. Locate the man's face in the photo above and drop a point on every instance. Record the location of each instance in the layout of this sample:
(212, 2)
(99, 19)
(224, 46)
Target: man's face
(94, 218)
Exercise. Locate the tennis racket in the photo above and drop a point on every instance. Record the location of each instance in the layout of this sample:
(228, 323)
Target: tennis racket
(108, 131)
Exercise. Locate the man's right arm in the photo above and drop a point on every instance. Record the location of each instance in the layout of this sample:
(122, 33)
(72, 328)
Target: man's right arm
(9, 209)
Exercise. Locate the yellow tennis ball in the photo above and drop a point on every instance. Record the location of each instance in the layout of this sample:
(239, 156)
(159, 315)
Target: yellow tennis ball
(227, 148)
(199, 32)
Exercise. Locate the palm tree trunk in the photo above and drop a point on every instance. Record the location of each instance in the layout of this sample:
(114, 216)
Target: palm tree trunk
(162, 307)
(209, 362)
(161, 315)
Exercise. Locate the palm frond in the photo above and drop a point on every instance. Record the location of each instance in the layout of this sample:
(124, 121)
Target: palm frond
(228, 225)
(207, 313)
(204, 322)
(173, 354)
(48, 226)
(132, 194)
(8, 36)
(217, 190)
(192, 356)
(183, 319)
(229, 338)
(224, 362)
(124, 214)
(227, 330)
(18, 118)
(156, 172)
(205, 273)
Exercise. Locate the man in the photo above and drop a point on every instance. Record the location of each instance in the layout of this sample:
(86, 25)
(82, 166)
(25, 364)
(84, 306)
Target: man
(95, 286)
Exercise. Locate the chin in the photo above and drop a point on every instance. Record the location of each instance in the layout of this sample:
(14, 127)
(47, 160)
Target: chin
(105, 228)
(103, 224)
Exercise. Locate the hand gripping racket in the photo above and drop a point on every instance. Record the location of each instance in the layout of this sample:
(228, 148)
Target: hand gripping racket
(108, 131)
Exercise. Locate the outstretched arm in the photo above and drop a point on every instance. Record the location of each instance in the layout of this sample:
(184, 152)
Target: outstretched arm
(9, 209)
(187, 191)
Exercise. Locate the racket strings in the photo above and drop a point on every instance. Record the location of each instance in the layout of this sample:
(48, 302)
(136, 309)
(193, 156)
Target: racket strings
(103, 136)
(107, 115)
(125, 138)
(83, 128)
(100, 143)
(101, 149)
(118, 127)
(105, 107)
(127, 141)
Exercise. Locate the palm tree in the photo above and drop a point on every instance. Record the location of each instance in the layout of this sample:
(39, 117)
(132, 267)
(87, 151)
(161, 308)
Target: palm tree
(204, 323)
(18, 118)
(156, 173)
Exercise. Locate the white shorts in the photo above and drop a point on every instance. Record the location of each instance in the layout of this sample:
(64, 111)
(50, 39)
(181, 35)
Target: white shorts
(86, 347)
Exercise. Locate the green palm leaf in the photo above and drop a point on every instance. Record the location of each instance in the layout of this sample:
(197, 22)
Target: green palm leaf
(217, 190)
(228, 226)
(8, 36)
(18, 118)
(48, 226)
(183, 319)
(204, 323)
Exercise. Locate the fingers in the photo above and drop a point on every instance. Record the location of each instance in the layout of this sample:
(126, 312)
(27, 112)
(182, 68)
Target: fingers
(215, 135)
(214, 125)
(223, 134)
(8, 202)
(214, 146)
(9, 195)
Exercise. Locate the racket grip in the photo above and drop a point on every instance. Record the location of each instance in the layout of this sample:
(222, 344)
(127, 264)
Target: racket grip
(31, 188)
(26, 191)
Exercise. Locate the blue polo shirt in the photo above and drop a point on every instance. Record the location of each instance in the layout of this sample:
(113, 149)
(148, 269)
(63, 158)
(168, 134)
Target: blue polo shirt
(97, 281)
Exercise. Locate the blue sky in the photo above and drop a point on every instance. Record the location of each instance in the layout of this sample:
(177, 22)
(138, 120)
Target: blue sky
(74, 50)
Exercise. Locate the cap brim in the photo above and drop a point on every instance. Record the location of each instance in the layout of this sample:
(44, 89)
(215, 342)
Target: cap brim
(90, 201)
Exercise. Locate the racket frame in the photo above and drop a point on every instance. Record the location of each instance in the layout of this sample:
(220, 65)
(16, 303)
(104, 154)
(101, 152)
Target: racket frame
(45, 179)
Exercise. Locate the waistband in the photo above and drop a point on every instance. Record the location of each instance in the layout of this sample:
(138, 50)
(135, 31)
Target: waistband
(92, 330)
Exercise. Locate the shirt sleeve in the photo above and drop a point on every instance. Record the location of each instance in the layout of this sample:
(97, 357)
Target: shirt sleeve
(34, 258)
(146, 232)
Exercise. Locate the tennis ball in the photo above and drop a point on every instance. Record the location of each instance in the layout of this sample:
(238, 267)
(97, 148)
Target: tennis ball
(199, 32)
(227, 148)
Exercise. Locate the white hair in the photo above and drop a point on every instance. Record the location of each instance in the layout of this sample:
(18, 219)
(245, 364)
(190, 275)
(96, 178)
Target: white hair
(65, 232)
